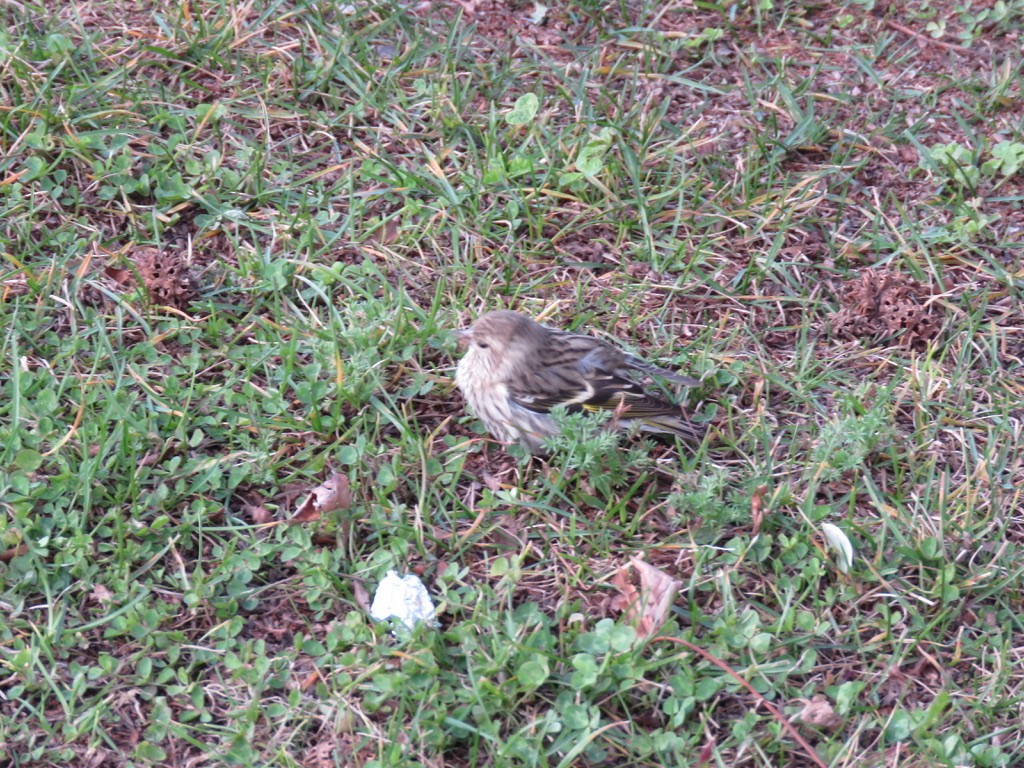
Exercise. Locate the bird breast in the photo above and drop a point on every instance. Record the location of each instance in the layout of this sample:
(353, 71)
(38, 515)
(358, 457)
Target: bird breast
(485, 393)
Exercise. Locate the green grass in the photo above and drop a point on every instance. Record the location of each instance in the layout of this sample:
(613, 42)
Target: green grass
(347, 184)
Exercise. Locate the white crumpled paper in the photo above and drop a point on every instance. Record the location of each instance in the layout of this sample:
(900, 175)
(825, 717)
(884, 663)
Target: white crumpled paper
(403, 598)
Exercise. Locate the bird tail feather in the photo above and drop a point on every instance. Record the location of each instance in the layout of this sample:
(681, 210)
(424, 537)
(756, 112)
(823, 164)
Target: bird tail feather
(675, 425)
(655, 370)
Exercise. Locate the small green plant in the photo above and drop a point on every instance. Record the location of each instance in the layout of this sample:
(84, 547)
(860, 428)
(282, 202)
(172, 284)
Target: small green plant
(589, 161)
(936, 29)
(604, 456)
(960, 165)
(979, 21)
(1007, 159)
(969, 22)
(845, 443)
(954, 160)
(706, 36)
(524, 110)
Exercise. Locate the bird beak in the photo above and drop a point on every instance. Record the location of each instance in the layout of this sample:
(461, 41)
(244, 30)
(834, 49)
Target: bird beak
(462, 337)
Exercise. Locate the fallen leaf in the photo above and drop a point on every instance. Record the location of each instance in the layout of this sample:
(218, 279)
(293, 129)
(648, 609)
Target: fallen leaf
(818, 712)
(119, 276)
(840, 542)
(9, 554)
(628, 594)
(645, 604)
(16, 286)
(101, 594)
(540, 11)
(311, 679)
(333, 494)
(757, 507)
(706, 753)
(389, 231)
(260, 515)
(151, 458)
(361, 595)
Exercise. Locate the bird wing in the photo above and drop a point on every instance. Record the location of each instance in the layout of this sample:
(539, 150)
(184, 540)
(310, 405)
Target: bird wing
(584, 373)
(618, 393)
(566, 385)
(590, 351)
(676, 378)
(594, 355)
(542, 390)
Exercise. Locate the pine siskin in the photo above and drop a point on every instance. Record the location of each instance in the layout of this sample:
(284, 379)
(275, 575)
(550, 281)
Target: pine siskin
(515, 371)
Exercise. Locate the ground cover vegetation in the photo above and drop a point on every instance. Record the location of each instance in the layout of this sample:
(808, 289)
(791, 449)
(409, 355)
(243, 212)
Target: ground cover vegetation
(235, 238)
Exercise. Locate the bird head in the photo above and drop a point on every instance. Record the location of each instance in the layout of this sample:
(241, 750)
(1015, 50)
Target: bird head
(501, 339)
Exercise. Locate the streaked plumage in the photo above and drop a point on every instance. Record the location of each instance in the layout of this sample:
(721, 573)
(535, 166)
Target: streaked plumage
(515, 371)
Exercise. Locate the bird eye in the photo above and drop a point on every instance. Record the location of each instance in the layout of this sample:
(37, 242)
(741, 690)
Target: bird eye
(482, 344)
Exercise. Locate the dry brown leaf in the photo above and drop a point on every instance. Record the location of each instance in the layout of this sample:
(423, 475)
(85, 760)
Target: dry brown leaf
(260, 515)
(151, 458)
(320, 755)
(120, 277)
(333, 494)
(818, 712)
(628, 594)
(16, 286)
(645, 595)
(101, 594)
(757, 507)
(706, 753)
(9, 554)
(361, 595)
(390, 230)
(310, 680)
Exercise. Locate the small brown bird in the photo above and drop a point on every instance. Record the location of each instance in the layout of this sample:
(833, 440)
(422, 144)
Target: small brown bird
(515, 371)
